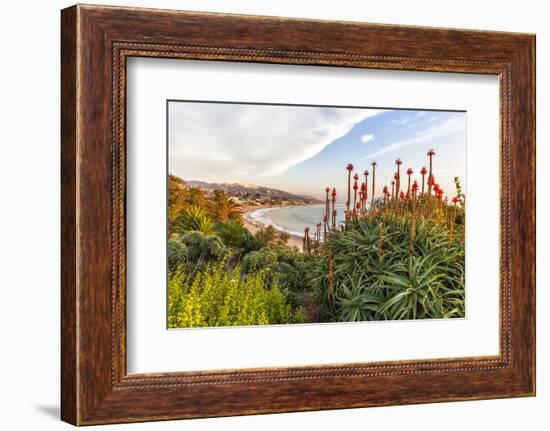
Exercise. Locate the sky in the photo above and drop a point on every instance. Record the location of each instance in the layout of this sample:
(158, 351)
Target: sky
(303, 149)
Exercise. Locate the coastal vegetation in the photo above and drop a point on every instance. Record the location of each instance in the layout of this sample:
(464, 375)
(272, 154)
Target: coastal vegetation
(398, 255)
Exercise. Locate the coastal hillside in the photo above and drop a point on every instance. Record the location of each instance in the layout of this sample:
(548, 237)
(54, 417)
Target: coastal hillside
(399, 256)
(252, 195)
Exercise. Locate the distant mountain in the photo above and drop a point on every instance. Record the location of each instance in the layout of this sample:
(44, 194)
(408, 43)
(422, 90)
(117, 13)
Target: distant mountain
(248, 192)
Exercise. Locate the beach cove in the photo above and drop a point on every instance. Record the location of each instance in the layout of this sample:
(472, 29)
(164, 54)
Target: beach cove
(291, 219)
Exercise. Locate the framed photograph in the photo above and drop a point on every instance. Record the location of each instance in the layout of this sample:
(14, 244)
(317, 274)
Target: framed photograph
(266, 215)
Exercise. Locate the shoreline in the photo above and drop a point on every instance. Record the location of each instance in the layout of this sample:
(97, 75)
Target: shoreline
(253, 225)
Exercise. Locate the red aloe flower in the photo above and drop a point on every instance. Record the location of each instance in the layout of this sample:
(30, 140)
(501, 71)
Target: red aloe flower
(402, 197)
(363, 196)
(349, 168)
(436, 193)
(373, 164)
(396, 178)
(333, 195)
(355, 187)
(431, 153)
(455, 201)
(409, 173)
(413, 218)
(327, 209)
(398, 162)
(415, 187)
(366, 174)
(423, 172)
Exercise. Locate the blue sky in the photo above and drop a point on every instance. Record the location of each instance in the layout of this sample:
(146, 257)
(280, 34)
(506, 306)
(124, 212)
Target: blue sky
(304, 149)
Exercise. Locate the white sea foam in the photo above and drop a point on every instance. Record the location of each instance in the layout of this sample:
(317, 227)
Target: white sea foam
(292, 219)
(261, 216)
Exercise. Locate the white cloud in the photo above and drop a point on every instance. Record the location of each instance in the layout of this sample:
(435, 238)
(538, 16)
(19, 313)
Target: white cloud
(237, 142)
(446, 128)
(369, 137)
(401, 122)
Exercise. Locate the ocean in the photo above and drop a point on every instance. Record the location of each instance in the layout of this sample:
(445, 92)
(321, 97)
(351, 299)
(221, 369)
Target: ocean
(293, 219)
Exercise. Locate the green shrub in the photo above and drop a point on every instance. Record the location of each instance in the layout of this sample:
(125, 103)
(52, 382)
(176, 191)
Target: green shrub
(264, 259)
(203, 249)
(235, 235)
(268, 234)
(177, 254)
(220, 297)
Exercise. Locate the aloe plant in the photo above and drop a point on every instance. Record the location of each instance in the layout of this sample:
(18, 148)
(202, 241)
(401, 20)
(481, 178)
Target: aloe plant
(194, 218)
(380, 274)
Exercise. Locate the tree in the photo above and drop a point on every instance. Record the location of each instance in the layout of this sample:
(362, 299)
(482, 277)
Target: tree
(223, 207)
(196, 196)
(176, 198)
(269, 234)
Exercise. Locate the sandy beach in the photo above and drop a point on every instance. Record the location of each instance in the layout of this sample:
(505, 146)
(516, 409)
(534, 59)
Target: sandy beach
(253, 227)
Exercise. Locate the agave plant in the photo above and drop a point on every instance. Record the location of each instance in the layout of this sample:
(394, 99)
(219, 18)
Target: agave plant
(194, 218)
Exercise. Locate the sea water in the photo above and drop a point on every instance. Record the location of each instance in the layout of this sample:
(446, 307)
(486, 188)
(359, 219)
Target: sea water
(293, 219)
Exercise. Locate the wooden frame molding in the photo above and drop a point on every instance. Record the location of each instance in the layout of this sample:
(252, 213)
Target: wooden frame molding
(96, 41)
